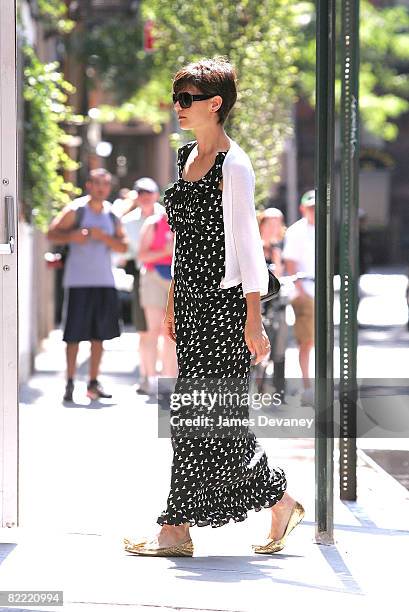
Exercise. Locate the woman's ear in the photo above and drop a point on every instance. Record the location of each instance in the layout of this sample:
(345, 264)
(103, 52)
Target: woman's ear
(217, 101)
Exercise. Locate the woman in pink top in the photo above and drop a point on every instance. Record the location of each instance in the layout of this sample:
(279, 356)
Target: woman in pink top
(155, 253)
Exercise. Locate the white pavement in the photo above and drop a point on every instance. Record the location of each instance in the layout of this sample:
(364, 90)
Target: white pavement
(91, 473)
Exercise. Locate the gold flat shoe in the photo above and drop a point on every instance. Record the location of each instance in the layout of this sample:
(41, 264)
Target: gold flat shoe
(145, 548)
(130, 544)
(272, 546)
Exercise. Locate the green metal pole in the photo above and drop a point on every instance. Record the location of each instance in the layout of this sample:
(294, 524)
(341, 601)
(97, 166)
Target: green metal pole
(324, 292)
(349, 237)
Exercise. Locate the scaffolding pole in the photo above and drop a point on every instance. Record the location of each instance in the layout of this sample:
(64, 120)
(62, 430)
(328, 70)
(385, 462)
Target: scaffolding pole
(324, 291)
(348, 240)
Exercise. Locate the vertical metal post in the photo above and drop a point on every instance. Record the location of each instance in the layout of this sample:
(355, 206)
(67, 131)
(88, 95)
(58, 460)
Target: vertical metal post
(324, 292)
(349, 237)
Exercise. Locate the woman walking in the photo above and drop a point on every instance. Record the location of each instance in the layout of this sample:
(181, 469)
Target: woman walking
(213, 315)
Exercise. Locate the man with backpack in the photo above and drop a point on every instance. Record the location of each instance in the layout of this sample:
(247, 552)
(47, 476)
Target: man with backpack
(92, 231)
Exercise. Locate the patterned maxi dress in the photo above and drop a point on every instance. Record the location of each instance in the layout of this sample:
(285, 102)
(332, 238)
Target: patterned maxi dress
(215, 477)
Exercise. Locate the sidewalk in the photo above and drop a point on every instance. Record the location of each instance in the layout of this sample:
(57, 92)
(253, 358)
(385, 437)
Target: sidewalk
(90, 474)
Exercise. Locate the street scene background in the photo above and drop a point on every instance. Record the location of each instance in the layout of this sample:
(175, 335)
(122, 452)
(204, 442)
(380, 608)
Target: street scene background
(95, 92)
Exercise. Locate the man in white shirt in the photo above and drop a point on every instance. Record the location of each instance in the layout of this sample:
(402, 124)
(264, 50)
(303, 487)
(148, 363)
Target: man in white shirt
(299, 256)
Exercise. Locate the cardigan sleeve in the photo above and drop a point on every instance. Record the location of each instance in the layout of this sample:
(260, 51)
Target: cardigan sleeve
(246, 234)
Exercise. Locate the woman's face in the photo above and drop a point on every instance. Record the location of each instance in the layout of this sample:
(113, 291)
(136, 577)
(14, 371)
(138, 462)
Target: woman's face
(201, 113)
(272, 227)
(147, 198)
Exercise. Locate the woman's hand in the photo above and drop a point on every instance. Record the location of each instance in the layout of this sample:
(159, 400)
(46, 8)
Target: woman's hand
(169, 320)
(169, 323)
(256, 339)
(254, 333)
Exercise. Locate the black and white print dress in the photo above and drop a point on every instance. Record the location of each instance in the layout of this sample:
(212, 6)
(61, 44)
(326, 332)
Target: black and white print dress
(215, 477)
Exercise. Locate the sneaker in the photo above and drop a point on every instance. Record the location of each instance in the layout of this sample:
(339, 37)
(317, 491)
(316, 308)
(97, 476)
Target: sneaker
(142, 386)
(69, 389)
(307, 397)
(279, 399)
(153, 386)
(148, 386)
(164, 399)
(95, 391)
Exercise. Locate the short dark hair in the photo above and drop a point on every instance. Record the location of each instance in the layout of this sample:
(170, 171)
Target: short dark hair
(215, 76)
(99, 172)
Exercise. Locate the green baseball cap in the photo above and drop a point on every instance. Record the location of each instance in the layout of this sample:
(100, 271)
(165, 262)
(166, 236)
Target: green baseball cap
(308, 199)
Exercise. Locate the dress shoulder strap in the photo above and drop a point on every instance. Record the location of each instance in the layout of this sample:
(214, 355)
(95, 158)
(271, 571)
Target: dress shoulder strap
(218, 165)
(183, 154)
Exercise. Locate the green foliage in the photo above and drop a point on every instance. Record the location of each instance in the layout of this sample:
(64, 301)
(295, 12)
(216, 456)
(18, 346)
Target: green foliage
(272, 44)
(114, 50)
(384, 81)
(385, 56)
(145, 104)
(45, 95)
(260, 39)
(53, 13)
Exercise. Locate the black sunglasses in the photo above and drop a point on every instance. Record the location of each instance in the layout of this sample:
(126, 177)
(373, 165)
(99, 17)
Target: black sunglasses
(185, 98)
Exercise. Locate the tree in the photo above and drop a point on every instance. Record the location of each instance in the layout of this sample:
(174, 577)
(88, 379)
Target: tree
(384, 65)
(272, 43)
(44, 160)
(54, 15)
(260, 39)
(45, 93)
(114, 49)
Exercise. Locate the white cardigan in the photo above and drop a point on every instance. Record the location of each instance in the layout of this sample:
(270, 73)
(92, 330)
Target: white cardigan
(244, 255)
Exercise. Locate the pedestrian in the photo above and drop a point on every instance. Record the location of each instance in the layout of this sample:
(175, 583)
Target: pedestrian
(272, 231)
(92, 309)
(213, 316)
(121, 203)
(145, 204)
(155, 254)
(299, 256)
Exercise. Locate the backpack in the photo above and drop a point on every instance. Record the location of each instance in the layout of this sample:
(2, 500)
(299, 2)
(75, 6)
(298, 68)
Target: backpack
(79, 215)
(63, 249)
